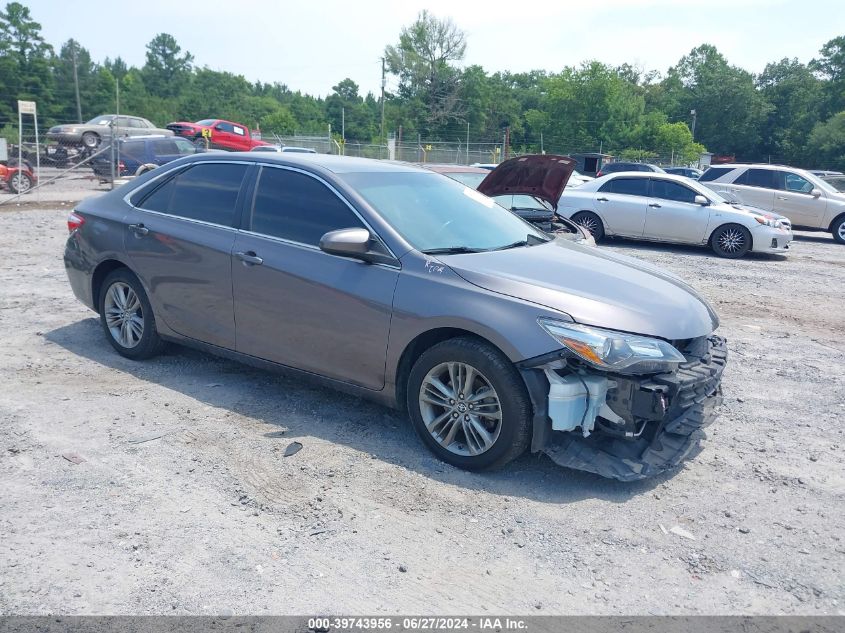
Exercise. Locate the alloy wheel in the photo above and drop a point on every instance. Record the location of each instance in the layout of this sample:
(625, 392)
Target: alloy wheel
(124, 314)
(731, 240)
(21, 183)
(841, 231)
(588, 223)
(460, 408)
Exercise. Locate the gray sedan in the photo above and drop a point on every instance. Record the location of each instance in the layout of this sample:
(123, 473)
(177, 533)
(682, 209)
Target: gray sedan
(91, 134)
(411, 289)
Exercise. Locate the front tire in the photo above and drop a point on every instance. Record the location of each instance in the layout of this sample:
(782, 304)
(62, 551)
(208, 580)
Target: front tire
(591, 222)
(469, 405)
(731, 241)
(20, 183)
(838, 229)
(127, 316)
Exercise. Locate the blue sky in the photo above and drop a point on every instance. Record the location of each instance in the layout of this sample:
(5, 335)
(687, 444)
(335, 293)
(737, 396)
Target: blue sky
(311, 46)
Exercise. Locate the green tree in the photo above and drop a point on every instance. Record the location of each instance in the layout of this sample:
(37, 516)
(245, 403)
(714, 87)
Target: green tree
(830, 64)
(827, 143)
(730, 110)
(166, 69)
(24, 61)
(422, 60)
(795, 96)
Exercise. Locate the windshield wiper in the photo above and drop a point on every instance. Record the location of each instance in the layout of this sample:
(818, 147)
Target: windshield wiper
(450, 250)
(526, 242)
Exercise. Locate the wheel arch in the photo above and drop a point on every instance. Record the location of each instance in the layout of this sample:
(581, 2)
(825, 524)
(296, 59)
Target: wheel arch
(103, 270)
(836, 221)
(724, 224)
(425, 341)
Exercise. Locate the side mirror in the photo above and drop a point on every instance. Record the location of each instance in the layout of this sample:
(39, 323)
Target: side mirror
(816, 193)
(702, 200)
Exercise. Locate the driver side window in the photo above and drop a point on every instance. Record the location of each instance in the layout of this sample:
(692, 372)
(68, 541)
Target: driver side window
(299, 208)
(796, 184)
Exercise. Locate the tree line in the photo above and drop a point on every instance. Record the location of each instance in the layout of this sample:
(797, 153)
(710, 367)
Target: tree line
(792, 112)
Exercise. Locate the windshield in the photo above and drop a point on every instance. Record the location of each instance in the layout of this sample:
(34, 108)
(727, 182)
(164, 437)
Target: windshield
(432, 212)
(205, 122)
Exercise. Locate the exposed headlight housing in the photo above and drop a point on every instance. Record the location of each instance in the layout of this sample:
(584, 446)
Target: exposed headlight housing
(614, 351)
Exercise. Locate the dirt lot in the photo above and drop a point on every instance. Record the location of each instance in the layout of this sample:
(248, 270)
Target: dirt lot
(185, 503)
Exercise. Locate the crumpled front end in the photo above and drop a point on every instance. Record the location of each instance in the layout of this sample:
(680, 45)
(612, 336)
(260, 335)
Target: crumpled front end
(625, 427)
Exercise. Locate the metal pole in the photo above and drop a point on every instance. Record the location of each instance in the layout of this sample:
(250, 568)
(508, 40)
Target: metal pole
(111, 150)
(37, 157)
(20, 149)
(694, 117)
(542, 151)
(117, 122)
(343, 123)
(419, 147)
(467, 142)
(76, 81)
(382, 100)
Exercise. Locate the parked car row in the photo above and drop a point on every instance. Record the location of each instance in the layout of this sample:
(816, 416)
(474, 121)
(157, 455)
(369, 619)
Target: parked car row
(412, 289)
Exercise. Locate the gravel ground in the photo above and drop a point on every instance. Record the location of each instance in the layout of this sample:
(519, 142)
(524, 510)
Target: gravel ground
(184, 501)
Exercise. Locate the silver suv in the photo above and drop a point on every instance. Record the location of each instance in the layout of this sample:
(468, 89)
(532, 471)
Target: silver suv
(807, 200)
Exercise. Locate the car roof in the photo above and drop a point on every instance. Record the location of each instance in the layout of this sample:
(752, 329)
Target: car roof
(329, 162)
(645, 174)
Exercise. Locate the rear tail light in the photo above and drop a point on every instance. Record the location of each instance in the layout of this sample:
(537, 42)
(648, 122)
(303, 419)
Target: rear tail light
(121, 166)
(74, 222)
(598, 174)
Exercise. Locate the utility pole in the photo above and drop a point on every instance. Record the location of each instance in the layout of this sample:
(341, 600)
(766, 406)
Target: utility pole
(542, 150)
(76, 81)
(694, 116)
(382, 98)
(506, 151)
(343, 123)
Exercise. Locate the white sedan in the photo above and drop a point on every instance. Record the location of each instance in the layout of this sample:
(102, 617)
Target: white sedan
(667, 208)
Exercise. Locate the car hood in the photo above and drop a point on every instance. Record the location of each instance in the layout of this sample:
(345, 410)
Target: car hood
(541, 175)
(592, 286)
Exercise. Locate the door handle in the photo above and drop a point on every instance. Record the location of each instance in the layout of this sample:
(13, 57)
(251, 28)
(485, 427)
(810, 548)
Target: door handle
(602, 199)
(249, 258)
(139, 230)
(654, 205)
(782, 198)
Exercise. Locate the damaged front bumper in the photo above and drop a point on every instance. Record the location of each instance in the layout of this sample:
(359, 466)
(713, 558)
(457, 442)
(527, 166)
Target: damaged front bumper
(624, 427)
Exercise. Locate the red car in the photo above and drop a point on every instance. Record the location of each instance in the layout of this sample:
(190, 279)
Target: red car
(17, 180)
(221, 134)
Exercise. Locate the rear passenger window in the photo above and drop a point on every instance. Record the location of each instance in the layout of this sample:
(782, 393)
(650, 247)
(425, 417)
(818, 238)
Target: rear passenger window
(763, 178)
(713, 173)
(206, 192)
(626, 186)
(296, 207)
(667, 190)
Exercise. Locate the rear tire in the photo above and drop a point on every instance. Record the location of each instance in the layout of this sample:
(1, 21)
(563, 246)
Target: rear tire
(591, 222)
(469, 405)
(127, 316)
(838, 229)
(731, 241)
(91, 140)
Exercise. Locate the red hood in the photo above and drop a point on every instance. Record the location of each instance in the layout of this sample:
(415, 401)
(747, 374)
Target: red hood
(540, 175)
